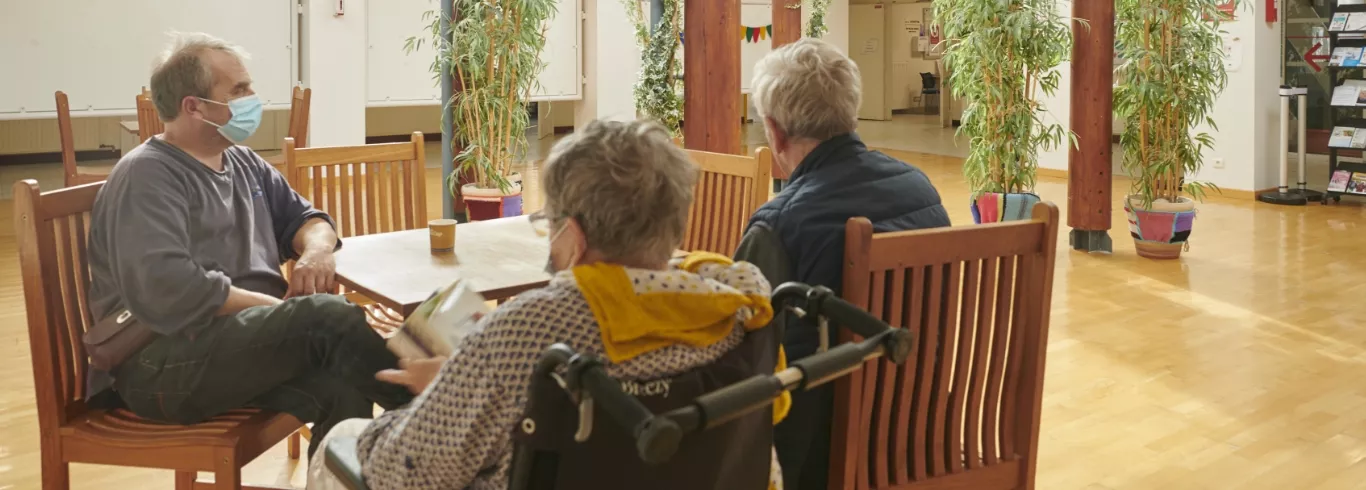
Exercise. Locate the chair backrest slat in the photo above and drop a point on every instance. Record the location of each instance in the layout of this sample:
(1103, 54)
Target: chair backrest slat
(729, 189)
(1000, 339)
(966, 331)
(349, 170)
(298, 115)
(967, 403)
(366, 189)
(149, 124)
(396, 170)
(372, 211)
(68, 141)
(52, 230)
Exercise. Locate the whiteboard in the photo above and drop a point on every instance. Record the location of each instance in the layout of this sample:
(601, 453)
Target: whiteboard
(396, 78)
(753, 15)
(101, 52)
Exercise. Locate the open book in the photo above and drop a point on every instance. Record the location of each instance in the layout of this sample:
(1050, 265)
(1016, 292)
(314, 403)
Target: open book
(438, 324)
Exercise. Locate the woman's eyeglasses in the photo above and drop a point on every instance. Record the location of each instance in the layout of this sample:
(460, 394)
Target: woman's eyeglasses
(540, 222)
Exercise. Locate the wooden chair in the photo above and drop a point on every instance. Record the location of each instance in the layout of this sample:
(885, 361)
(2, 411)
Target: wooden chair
(149, 123)
(298, 123)
(70, 172)
(964, 412)
(52, 229)
(729, 189)
(365, 189)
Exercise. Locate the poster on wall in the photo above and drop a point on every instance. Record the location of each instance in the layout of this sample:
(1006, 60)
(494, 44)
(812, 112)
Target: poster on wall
(1233, 53)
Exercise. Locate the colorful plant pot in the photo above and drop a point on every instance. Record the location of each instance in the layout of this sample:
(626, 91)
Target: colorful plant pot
(485, 204)
(1162, 231)
(992, 207)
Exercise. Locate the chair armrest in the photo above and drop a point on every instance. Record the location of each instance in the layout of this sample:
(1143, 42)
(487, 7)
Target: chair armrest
(342, 461)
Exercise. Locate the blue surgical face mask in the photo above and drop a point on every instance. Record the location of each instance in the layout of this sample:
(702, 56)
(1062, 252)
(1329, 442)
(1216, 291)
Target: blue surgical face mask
(246, 117)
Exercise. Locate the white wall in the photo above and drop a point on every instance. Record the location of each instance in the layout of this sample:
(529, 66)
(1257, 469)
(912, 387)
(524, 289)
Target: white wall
(1266, 49)
(1246, 112)
(1058, 106)
(611, 63)
(334, 65)
(837, 18)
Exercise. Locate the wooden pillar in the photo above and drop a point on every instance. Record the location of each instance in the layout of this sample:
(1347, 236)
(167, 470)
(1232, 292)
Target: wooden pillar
(711, 75)
(1088, 164)
(787, 22)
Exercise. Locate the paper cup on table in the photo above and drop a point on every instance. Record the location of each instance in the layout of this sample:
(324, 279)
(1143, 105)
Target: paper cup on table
(443, 235)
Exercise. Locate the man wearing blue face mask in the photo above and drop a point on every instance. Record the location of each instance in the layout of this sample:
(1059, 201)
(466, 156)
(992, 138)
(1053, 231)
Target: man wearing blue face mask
(187, 237)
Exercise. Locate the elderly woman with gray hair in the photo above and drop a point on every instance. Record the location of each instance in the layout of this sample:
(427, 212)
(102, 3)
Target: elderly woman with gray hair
(617, 199)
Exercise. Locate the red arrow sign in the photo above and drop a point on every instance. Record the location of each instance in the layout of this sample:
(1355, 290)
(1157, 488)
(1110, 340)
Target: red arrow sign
(1310, 57)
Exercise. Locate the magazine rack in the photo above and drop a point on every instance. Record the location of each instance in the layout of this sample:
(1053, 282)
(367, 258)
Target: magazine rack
(1345, 116)
(657, 437)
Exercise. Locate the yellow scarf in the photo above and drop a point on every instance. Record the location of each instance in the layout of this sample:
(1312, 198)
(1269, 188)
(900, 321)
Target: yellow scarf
(641, 311)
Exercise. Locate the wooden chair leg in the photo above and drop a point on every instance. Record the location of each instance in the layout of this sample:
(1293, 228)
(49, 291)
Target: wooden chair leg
(56, 473)
(227, 474)
(185, 480)
(294, 445)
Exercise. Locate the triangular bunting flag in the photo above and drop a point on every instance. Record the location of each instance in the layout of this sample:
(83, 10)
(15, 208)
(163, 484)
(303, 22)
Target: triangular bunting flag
(755, 34)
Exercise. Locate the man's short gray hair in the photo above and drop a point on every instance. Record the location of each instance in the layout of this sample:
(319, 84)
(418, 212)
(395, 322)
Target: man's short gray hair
(809, 88)
(182, 72)
(628, 186)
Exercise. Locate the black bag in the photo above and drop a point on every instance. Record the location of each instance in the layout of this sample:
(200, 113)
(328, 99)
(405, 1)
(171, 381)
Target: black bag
(114, 339)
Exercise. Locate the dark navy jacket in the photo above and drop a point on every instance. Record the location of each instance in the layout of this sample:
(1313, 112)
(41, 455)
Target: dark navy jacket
(842, 179)
(799, 236)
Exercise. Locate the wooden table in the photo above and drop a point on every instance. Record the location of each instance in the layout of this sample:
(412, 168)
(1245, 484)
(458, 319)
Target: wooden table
(501, 258)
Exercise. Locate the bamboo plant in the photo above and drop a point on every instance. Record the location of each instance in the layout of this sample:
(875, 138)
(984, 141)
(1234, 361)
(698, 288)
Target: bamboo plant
(659, 90)
(493, 52)
(1002, 56)
(815, 27)
(1172, 73)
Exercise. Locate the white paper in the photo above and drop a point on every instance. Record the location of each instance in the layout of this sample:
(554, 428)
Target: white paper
(1233, 54)
(1339, 22)
(1346, 95)
(1342, 137)
(1359, 139)
(440, 323)
(870, 46)
(1356, 22)
(1346, 56)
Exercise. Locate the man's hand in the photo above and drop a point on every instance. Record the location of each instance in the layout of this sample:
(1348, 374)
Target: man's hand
(314, 272)
(415, 374)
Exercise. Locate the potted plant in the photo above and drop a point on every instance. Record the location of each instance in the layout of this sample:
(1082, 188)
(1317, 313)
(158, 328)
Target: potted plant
(658, 91)
(1000, 55)
(494, 53)
(1172, 73)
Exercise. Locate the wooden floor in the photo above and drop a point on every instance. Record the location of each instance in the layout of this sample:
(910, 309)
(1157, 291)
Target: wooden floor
(1238, 367)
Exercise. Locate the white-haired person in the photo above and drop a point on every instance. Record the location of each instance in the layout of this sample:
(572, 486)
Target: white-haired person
(616, 200)
(807, 94)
